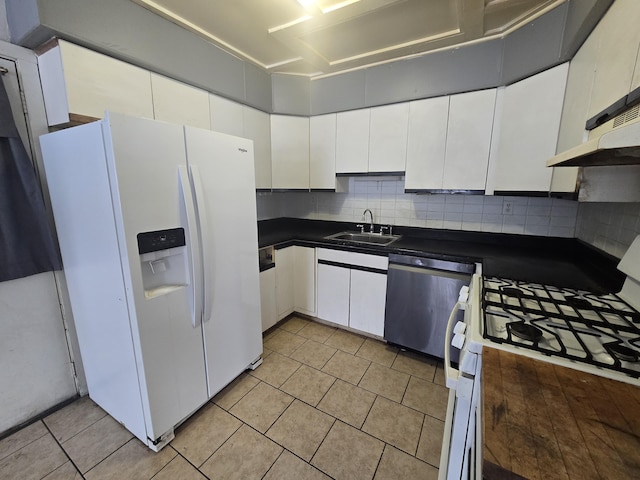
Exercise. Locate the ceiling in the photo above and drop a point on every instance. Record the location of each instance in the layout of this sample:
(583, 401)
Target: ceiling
(320, 37)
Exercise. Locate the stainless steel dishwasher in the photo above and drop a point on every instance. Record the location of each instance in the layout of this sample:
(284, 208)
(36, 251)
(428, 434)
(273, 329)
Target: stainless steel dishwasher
(420, 294)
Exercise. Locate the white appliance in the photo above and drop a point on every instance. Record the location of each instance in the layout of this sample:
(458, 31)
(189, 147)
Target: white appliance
(616, 142)
(595, 333)
(157, 228)
(592, 332)
(461, 456)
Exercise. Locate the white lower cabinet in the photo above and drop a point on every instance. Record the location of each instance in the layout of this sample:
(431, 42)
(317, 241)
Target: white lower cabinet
(284, 281)
(352, 289)
(268, 298)
(304, 280)
(295, 281)
(333, 293)
(367, 301)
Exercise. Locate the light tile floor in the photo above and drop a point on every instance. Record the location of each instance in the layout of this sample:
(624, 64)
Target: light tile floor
(325, 403)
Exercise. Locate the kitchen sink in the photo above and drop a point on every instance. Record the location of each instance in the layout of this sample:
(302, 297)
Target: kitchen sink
(366, 238)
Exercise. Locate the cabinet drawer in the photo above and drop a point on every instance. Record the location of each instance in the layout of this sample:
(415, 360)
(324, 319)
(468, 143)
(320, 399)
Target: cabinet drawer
(357, 259)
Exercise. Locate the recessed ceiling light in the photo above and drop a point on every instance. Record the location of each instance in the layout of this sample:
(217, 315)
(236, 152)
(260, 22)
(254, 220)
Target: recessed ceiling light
(338, 5)
(306, 3)
(325, 6)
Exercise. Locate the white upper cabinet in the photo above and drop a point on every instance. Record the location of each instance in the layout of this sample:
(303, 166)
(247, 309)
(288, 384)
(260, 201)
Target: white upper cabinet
(176, 102)
(527, 119)
(388, 138)
(618, 38)
(289, 152)
(322, 152)
(79, 85)
(635, 83)
(352, 141)
(468, 140)
(226, 116)
(257, 127)
(426, 143)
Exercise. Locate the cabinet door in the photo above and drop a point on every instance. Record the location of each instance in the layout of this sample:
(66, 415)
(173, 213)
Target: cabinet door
(290, 152)
(333, 294)
(284, 281)
(635, 83)
(352, 141)
(304, 278)
(426, 143)
(468, 140)
(257, 127)
(177, 102)
(226, 116)
(79, 85)
(367, 302)
(268, 298)
(528, 120)
(322, 152)
(388, 138)
(618, 39)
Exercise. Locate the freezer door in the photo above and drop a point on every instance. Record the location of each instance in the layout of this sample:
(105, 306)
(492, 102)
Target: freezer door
(143, 159)
(223, 175)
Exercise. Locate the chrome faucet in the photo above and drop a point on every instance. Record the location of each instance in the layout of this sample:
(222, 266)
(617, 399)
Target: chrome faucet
(364, 215)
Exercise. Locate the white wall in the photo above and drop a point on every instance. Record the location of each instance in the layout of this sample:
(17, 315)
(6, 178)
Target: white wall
(390, 205)
(36, 364)
(36, 371)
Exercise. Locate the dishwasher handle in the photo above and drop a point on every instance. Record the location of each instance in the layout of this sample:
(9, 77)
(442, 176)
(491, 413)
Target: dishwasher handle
(431, 264)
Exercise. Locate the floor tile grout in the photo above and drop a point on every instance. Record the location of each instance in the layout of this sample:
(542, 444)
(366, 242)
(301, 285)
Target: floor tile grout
(62, 448)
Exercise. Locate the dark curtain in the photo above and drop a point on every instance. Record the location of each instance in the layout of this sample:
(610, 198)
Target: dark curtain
(26, 242)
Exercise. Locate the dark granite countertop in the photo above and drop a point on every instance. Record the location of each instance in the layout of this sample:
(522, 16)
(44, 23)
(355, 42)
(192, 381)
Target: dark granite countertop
(565, 262)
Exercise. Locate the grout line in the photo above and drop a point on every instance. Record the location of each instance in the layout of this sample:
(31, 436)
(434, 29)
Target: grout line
(234, 403)
(29, 443)
(219, 447)
(369, 413)
(112, 453)
(380, 459)
(275, 461)
(63, 449)
(322, 441)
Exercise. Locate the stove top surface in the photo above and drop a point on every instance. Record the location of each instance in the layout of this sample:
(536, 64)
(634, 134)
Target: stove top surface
(600, 330)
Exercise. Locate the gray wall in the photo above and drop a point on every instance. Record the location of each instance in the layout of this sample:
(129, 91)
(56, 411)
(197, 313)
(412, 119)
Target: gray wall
(4, 26)
(127, 31)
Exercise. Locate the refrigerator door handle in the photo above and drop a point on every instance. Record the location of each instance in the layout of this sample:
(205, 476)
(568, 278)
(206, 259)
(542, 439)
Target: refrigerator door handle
(201, 211)
(195, 287)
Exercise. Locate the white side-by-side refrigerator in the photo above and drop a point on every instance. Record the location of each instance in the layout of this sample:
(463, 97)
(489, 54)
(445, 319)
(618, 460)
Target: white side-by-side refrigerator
(158, 233)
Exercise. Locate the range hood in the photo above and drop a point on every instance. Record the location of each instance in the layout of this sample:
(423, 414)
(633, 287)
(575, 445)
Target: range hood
(616, 142)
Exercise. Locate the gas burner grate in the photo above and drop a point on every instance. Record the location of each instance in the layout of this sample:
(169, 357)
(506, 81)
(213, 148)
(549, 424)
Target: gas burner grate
(600, 330)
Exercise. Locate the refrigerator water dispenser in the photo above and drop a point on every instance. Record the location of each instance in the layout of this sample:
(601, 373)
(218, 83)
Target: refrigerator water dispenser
(163, 259)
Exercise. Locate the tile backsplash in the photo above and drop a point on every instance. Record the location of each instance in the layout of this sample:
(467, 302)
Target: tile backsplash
(609, 226)
(390, 205)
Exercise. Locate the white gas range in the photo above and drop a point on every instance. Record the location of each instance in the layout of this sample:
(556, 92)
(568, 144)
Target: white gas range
(595, 333)
(598, 334)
